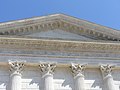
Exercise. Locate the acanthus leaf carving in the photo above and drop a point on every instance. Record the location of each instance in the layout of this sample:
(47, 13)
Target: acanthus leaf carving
(47, 68)
(16, 67)
(78, 69)
(106, 69)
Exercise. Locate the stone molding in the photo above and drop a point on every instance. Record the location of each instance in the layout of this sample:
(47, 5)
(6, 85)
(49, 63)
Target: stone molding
(58, 45)
(60, 22)
(16, 67)
(47, 68)
(78, 69)
(106, 70)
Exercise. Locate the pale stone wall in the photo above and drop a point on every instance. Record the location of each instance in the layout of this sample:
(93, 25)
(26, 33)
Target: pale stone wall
(93, 79)
(4, 78)
(31, 79)
(116, 76)
(63, 79)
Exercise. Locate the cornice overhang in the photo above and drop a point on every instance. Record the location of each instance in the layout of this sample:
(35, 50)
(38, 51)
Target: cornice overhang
(58, 45)
(64, 22)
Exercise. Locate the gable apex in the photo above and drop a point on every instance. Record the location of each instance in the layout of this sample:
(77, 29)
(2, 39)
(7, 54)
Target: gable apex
(59, 21)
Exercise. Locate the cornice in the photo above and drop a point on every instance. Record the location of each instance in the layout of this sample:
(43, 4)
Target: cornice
(58, 45)
(59, 21)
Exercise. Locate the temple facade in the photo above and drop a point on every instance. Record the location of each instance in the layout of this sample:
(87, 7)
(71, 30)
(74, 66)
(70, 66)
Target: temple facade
(58, 52)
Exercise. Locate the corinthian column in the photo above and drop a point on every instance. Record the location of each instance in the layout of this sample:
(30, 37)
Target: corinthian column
(77, 71)
(47, 74)
(15, 77)
(107, 77)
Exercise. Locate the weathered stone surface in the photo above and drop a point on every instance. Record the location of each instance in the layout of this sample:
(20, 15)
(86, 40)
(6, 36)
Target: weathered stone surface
(49, 45)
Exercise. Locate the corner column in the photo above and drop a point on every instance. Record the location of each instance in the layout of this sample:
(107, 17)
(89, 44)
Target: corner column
(77, 71)
(47, 70)
(107, 77)
(16, 69)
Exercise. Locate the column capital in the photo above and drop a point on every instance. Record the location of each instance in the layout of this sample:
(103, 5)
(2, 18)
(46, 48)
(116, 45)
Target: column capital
(106, 70)
(47, 68)
(78, 69)
(16, 67)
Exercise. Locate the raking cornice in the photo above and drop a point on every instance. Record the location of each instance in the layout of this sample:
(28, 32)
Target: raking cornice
(59, 21)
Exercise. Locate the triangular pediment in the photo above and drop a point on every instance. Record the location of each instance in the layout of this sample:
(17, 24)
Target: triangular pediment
(58, 34)
(58, 26)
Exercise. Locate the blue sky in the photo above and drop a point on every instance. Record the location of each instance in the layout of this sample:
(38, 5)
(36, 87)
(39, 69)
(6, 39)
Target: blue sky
(104, 12)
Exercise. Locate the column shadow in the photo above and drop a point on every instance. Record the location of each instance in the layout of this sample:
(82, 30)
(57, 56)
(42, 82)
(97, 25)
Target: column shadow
(38, 81)
(65, 78)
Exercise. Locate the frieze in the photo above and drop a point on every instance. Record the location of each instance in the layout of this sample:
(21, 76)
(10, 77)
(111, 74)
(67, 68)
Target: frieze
(58, 45)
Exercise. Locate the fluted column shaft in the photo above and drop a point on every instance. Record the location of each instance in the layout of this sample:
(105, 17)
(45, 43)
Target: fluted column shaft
(77, 71)
(48, 82)
(107, 77)
(15, 77)
(47, 74)
(15, 82)
(79, 83)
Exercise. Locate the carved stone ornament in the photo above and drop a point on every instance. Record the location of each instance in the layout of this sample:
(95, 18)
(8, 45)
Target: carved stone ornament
(16, 67)
(78, 69)
(47, 68)
(106, 69)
